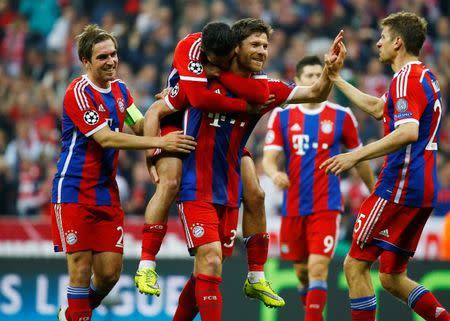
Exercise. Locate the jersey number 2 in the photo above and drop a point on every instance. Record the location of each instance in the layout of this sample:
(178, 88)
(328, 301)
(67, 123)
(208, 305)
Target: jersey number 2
(431, 144)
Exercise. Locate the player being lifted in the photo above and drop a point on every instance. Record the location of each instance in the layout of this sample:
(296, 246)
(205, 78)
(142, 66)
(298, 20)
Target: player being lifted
(391, 219)
(87, 220)
(306, 135)
(215, 45)
(210, 194)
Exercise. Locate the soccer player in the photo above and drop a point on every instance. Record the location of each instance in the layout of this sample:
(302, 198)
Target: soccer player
(391, 219)
(87, 220)
(306, 135)
(210, 193)
(193, 54)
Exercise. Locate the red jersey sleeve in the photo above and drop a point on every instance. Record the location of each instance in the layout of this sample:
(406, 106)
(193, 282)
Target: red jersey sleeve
(254, 90)
(350, 137)
(274, 136)
(79, 107)
(187, 61)
(282, 92)
(176, 99)
(408, 98)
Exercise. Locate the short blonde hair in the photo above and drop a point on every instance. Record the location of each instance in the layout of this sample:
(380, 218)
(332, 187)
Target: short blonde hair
(91, 35)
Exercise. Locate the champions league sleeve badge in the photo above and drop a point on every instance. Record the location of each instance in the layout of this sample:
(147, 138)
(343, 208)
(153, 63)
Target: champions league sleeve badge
(195, 67)
(91, 117)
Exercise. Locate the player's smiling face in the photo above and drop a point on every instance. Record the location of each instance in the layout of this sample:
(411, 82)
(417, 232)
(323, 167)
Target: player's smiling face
(252, 52)
(103, 65)
(386, 46)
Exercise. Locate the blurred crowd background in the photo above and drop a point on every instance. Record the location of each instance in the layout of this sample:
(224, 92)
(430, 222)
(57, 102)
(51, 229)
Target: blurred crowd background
(38, 59)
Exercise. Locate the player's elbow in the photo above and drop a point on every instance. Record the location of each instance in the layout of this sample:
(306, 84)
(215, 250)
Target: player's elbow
(377, 114)
(378, 109)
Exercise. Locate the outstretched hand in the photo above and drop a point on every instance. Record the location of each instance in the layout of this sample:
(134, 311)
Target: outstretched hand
(334, 59)
(163, 93)
(281, 180)
(177, 142)
(339, 163)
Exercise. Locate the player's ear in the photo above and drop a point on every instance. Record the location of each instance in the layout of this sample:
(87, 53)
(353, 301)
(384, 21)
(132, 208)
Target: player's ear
(398, 42)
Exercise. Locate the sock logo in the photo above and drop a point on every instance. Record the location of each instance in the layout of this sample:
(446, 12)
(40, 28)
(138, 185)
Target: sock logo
(439, 310)
(84, 319)
(209, 298)
(314, 306)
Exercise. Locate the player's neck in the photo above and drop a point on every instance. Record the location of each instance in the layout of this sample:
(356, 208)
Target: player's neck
(99, 82)
(311, 106)
(235, 68)
(401, 60)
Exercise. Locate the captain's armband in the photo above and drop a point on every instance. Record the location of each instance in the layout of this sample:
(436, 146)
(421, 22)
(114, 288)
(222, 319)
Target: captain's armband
(133, 114)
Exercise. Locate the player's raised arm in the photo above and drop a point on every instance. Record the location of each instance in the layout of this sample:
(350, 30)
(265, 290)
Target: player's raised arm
(370, 104)
(320, 90)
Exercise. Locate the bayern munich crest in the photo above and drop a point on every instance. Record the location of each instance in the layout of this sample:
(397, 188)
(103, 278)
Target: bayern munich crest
(91, 117)
(326, 126)
(195, 67)
(71, 237)
(121, 105)
(198, 230)
(174, 91)
(270, 137)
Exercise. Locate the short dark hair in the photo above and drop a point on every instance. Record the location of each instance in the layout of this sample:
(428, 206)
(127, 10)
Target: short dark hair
(307, 61)
(410, 27)
(218, 39)
(91, 35)
(243, 28)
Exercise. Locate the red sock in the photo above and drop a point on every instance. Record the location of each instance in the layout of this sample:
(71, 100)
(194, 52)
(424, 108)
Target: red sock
(257, 249)
(429, 308)
(152, 237)
(363, 315)
(187, 306)
(315, 303)
(78, 299)
(208, 297)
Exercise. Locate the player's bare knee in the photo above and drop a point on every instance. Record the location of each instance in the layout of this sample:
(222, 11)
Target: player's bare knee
(390, 282)
(170, 186)
(318, 271)
(254, 198)
(210, 259)
(108, 278)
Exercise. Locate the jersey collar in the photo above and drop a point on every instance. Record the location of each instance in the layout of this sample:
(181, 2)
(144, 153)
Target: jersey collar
(102, 90)
(406, 65)
(315, 111)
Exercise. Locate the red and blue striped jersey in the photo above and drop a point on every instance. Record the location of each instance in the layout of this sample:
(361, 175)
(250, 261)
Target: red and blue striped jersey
(308, 137)
(408, 176)
(212, 172)
(86, 172)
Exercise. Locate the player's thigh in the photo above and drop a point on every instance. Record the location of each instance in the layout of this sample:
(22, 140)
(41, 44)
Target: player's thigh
(322, 232)
(107, 265)
(169, 167)
(250, 182)
(293, 243)
(79, 265)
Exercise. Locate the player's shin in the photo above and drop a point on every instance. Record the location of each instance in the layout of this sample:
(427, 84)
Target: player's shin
(187, 305)
(257, 247)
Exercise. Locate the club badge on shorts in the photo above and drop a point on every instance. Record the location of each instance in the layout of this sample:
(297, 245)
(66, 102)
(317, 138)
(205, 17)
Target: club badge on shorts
(198, 230)
(71, 237)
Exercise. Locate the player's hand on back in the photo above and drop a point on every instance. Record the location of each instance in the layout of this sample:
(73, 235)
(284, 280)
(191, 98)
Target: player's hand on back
(256, 109)
(212, 71)
(177, 142)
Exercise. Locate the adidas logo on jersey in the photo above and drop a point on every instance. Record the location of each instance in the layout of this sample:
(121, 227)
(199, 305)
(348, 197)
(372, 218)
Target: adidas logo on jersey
(296, 127)
(438, 312)
(385, 233)
(101, 108)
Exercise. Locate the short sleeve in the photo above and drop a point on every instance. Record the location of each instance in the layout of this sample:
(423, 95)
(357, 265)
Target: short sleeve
(187, 59)
(176, 99)
(282, 91)
(350, 137)
(408, 98)
(81, 110)
(274, 136)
